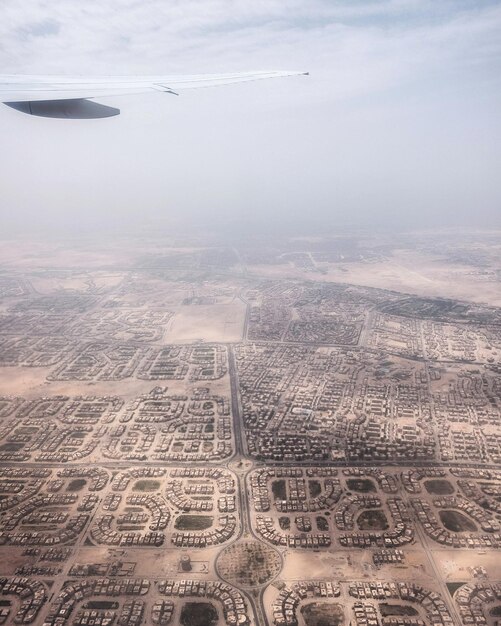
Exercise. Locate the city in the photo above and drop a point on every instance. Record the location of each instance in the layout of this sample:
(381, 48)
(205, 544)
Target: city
(204, 435)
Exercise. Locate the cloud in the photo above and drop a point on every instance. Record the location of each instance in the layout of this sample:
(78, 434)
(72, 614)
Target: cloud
(192, 35)
(399, 116)
(44, 28)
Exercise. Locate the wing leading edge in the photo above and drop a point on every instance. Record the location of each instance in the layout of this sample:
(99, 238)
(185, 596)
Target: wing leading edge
(72, 97)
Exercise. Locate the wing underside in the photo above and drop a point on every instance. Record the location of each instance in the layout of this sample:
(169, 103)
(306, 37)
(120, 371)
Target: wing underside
(76, 109)
(73, 97)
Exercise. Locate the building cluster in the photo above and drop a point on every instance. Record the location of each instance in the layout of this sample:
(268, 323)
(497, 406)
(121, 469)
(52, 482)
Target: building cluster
(312, 327)
(266, 528)
(284, 608)
(435, 529)
(484, 519)
(401, 532)
(394, 334)
(323, 314)
(101, 344)
(232, 601)
(388, 556)
(172, 427)
(303, 403)
(223, 531)
(412, 478)
(309, 403)
(31, 595)
(414, 337)
(55, 429)
(296, 490)
(476, 600)
(158, 426)
(361, 509)
(364, 602)
(102, 532)
(51, 508)
(57, 527)
(176, 362)
(107, 323)
(76, 592)
(434, 607)
(99, 360)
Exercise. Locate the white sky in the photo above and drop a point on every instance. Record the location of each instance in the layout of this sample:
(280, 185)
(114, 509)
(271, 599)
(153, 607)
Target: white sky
(398, 123)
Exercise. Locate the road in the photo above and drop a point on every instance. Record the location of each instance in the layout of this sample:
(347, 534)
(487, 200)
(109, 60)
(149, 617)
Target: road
(246, 529)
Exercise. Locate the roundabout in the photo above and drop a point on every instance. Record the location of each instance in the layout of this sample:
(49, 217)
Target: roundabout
(249, 564)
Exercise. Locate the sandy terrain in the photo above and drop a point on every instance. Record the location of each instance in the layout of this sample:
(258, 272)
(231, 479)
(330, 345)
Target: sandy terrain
(456, 566)
(74, 281)
(218, 322)
(405, 272)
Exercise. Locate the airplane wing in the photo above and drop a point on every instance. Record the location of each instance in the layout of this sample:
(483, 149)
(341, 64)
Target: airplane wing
(73, 97)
